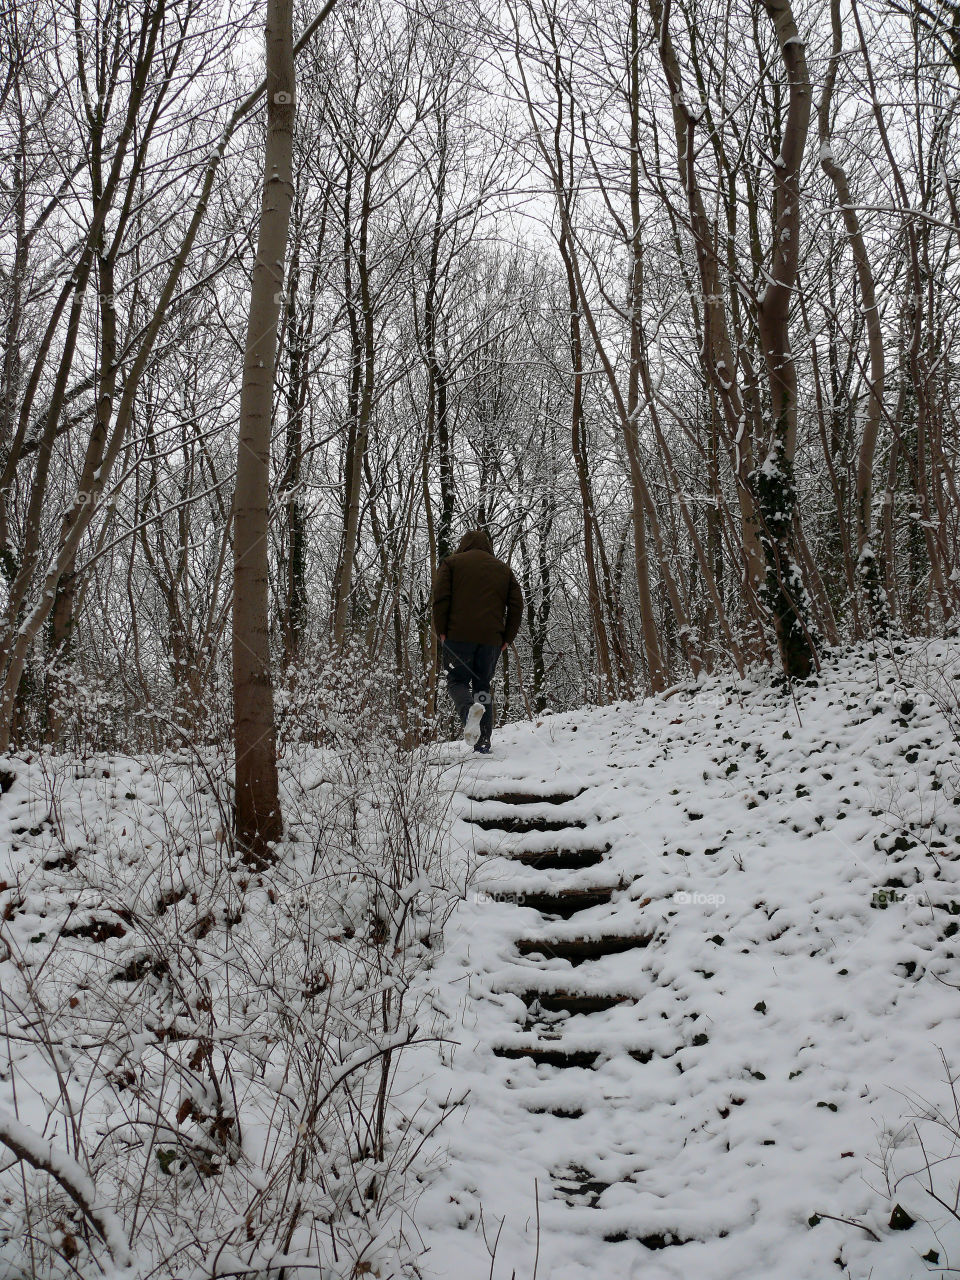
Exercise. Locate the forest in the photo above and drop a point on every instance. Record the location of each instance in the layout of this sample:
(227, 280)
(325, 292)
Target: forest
(661, 295)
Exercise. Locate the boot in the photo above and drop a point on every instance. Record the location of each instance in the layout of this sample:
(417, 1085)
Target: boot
(471, 730)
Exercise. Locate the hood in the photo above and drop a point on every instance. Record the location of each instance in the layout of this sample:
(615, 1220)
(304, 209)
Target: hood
(476, 540)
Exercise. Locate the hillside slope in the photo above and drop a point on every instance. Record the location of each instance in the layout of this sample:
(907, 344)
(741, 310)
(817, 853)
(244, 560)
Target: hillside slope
(770, 1055)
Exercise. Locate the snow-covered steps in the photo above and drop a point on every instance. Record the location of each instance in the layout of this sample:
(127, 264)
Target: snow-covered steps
(545, 1054)
(526, 797)
(523, 812)
(561, 902)
(785, 957)
(565, 1054)
(560, 1001)
(523, 823)
(559, 859)
(576, 1185)
(577, 949)
(572, 1029)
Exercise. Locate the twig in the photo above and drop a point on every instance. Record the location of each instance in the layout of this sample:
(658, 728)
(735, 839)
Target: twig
(536, 1256)
(851, 1222)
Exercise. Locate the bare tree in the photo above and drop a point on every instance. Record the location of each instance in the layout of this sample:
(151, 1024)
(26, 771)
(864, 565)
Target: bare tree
(259, 822)
(775, 481)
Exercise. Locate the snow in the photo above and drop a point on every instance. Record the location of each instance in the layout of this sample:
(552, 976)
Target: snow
(797, 869)
(770, 1085)
(770, 467)
(192, 1033)
(45, 1154)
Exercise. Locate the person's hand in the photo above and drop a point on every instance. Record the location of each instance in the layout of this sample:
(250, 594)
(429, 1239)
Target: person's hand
(503, 647)
(443, 639)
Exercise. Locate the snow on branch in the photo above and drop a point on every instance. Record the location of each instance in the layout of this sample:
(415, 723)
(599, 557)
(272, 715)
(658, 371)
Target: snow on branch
(40, 1153)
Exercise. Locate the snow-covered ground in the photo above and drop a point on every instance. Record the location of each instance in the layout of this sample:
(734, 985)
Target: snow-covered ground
(797, 865)
(194, 1058)
(761, 1095)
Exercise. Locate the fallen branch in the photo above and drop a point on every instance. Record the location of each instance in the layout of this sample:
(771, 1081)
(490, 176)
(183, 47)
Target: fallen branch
(850, 1222)
(40, 1153)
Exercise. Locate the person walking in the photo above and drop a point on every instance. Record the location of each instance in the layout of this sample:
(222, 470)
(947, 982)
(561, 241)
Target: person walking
(477, 611)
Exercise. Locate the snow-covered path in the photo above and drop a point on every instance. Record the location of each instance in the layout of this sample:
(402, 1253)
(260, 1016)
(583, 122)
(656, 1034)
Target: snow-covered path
(723, 1046)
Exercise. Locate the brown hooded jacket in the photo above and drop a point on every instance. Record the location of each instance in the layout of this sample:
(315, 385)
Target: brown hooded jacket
(475, 595)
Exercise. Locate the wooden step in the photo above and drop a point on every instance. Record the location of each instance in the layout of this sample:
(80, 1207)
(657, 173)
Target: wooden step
(559, 859)
(528, 797)
(560, 1110)
(574, 1001)
(578, 1186)
(550, 859)
(521, 825)
(659, 1240)
(549, 1055)
(559, 902)
(554, 1053)
(577, 950)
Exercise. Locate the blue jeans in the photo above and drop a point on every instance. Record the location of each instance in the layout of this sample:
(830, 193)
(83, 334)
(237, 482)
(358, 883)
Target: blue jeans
(470, 669)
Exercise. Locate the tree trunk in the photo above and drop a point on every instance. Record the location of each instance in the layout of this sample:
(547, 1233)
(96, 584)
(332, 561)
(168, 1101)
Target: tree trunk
(867, 561)
(294, 571)
(258, 817)
(774, 480)
(608, 688)
(719, 352)
(361, 403)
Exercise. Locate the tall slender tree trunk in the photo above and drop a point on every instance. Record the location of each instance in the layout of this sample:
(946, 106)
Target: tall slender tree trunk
(361, 398)
(719, 350)
(62, 619)
(258, 818)
(774, 480)
(294, 615)
(438, 426)
(608, 688)
(867, 560)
